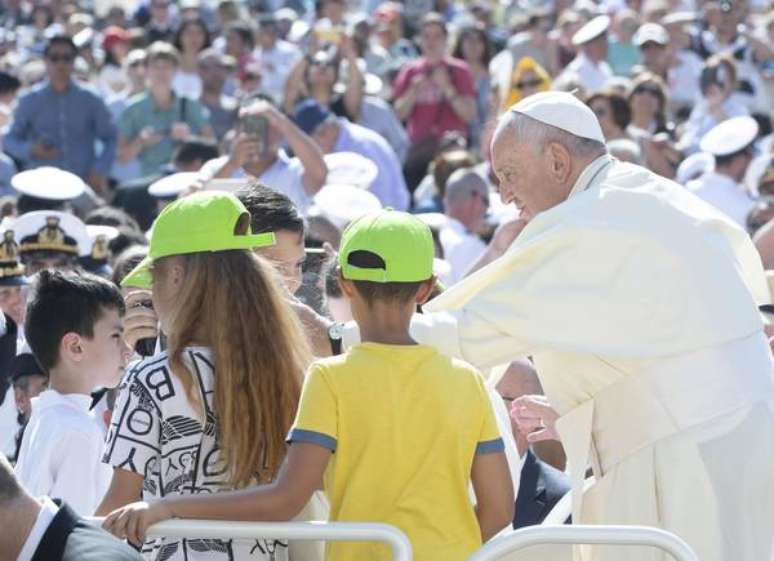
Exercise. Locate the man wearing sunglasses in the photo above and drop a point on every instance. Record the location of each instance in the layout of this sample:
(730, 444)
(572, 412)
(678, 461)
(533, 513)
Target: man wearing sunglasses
(58, 122)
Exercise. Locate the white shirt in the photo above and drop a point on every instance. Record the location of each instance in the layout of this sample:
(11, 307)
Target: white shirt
(187, 84)
(684, 78)
(725, 194)
(276, 65)
(46, 515)
(593, 76)
(8, 425)
(61, 452)
(285, 175)
(460, 248)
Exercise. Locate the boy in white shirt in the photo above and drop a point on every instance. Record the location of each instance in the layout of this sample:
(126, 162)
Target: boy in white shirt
(74, 327)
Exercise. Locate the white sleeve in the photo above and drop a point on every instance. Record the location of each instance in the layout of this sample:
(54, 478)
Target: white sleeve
(77, 476)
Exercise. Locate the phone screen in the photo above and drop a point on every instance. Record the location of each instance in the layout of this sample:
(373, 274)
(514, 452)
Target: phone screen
(257, 126)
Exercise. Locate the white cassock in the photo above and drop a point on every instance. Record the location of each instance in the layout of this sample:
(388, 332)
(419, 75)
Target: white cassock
(637, 302)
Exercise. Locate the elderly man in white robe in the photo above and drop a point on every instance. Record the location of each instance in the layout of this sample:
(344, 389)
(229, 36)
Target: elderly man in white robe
(638, 303)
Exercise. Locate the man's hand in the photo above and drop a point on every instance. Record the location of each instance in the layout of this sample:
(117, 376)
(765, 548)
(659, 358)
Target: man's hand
(244, 149)
(132, 521)
(140, 321)
(535, 417)
(40, 151)
(98, 182)
(149, 137)
(180, 131)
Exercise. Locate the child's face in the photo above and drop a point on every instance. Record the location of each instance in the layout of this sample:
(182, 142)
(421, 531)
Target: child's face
(287, 256)
(106, 354)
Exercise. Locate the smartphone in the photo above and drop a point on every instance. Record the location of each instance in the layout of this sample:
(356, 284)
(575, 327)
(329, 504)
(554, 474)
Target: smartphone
(328, 35)
(257, 126)
(147, 346)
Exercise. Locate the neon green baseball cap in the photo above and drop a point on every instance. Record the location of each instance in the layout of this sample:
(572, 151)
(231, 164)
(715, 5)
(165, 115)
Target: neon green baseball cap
(403, 242)
(202, 222)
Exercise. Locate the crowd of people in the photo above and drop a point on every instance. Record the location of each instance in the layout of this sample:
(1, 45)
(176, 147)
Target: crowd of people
(226, 225)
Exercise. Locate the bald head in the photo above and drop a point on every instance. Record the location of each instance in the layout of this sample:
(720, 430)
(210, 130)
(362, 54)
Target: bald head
(463, 183)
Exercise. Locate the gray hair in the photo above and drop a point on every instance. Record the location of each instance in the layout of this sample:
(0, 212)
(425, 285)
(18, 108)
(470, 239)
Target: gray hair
(539, 135)
(463, 182)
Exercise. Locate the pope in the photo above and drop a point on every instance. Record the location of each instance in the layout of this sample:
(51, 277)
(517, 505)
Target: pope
(638, 303)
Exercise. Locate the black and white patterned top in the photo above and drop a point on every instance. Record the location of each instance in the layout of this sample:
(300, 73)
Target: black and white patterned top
(156, 433)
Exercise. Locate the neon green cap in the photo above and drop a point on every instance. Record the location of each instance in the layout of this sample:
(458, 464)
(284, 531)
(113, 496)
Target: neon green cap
(202, 222)
(404, 243)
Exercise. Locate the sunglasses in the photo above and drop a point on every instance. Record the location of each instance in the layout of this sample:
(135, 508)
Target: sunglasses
(652, 90)
(528, 84)
(61, 58)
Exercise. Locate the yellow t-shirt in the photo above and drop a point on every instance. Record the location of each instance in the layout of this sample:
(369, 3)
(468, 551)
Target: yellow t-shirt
(404, 423)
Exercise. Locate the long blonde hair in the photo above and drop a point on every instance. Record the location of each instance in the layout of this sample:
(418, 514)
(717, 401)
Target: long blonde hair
(231, 301)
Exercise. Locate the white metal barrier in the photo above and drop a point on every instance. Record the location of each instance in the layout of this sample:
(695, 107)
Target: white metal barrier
(322, 531)
(608, 535)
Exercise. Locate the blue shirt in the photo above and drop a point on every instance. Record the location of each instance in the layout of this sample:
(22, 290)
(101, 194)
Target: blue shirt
(141, 111)
(389, 185)
(73, 122)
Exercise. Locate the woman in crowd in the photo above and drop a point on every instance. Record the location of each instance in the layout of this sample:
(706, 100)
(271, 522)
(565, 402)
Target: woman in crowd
(192, 37)
(474, 47)
(315, 76)
(112, 77)
(527, 78)
(649, 124)
(612, 110)
(212, 411)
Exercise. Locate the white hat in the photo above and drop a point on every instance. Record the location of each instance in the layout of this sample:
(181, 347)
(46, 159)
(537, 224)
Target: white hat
(99, 236)
(651, 33)
(49, 183)
(172, 185)
(564, 111)
(341, 204)
(51, 230)
(693, 166)
(730, 136)
(350, 168)
(591, 30)
(679, 17)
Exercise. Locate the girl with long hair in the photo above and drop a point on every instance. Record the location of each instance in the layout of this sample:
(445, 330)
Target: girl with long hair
(211, 412)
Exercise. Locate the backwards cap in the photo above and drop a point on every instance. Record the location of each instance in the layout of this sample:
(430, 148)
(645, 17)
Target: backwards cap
(203, 222)
(401, 240)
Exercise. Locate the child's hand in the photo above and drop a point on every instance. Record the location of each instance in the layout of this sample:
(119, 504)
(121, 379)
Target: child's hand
(140, 321)
(132, 521)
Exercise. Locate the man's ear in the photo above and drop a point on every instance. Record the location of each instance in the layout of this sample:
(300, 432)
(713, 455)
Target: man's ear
(425, 290)
(559, 162)
(71, 347)
(347, 286)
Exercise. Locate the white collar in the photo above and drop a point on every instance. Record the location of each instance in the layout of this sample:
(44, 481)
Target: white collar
(46, 515)
(722, 180)
(48, 398)
(592, 171)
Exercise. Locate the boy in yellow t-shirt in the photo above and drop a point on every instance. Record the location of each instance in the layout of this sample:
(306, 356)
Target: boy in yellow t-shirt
(394, 430)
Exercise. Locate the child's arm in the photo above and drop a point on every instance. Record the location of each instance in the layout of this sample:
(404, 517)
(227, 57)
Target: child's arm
(125, 487)
(492, 484)
(300, 475)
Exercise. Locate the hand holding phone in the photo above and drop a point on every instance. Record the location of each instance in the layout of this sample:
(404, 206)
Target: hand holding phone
(256, 126)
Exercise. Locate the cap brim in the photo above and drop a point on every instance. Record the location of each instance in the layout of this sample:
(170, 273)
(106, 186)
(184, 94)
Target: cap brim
(141, 276)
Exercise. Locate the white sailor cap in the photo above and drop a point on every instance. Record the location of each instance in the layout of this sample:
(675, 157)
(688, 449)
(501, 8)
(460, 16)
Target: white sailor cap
(651, 33)
(591, 30)
(731, 136)
(341, 204)
(350, 168)
(51, 230)
(170, 186)
(679, 17)
(564, 111)
(99, 238)
(693, 166)
(49, 183)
